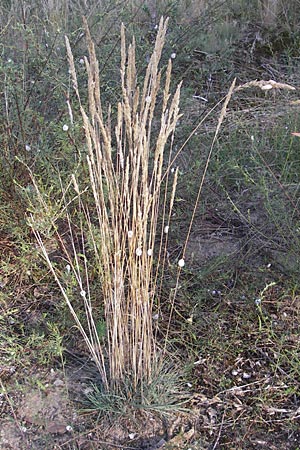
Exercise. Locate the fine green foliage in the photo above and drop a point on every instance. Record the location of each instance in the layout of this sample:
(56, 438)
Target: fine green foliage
(165, 393)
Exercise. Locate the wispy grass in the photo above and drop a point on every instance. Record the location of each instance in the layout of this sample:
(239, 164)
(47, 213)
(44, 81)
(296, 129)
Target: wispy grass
(126, 165)
(124, 224)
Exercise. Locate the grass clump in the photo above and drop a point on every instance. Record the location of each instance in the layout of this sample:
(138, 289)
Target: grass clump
(118, 222)
(119, 226)
(165, 393)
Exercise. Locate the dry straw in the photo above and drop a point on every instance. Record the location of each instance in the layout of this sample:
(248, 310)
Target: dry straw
(124, 229)
(126, 169)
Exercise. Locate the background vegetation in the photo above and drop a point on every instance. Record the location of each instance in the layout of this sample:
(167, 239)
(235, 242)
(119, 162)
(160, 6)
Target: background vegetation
(232, 347)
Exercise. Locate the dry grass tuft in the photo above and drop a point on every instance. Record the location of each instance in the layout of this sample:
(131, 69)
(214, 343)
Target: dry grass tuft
(124, 228)
(126, 173)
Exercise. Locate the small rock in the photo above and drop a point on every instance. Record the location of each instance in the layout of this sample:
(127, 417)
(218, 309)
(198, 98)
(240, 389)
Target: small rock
(160, 444)
(246, 375)
(56, 427)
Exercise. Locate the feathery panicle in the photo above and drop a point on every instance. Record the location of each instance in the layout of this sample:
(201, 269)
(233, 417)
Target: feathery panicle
(265, 85)
(72, 67)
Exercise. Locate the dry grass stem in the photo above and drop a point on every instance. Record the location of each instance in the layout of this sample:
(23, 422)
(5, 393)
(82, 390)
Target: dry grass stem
(220, 121)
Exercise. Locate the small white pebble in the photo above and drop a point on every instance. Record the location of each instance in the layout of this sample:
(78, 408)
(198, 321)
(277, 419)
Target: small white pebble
(27, 148)
(166, 229)
(200, 361)
(246, 375)
(81, 61)
(68, 268)
(189, 385)
(65, 127)
(149, 252)
(131, 436)
(130, 234)
(155, 317)
(148, 99)
(181, 263)
(138, 251)
(234, 373)
(83, 293)
(69, 428)
(173, 55)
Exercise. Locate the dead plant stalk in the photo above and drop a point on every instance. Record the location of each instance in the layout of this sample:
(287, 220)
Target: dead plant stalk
(126, 169)
(124, 229)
